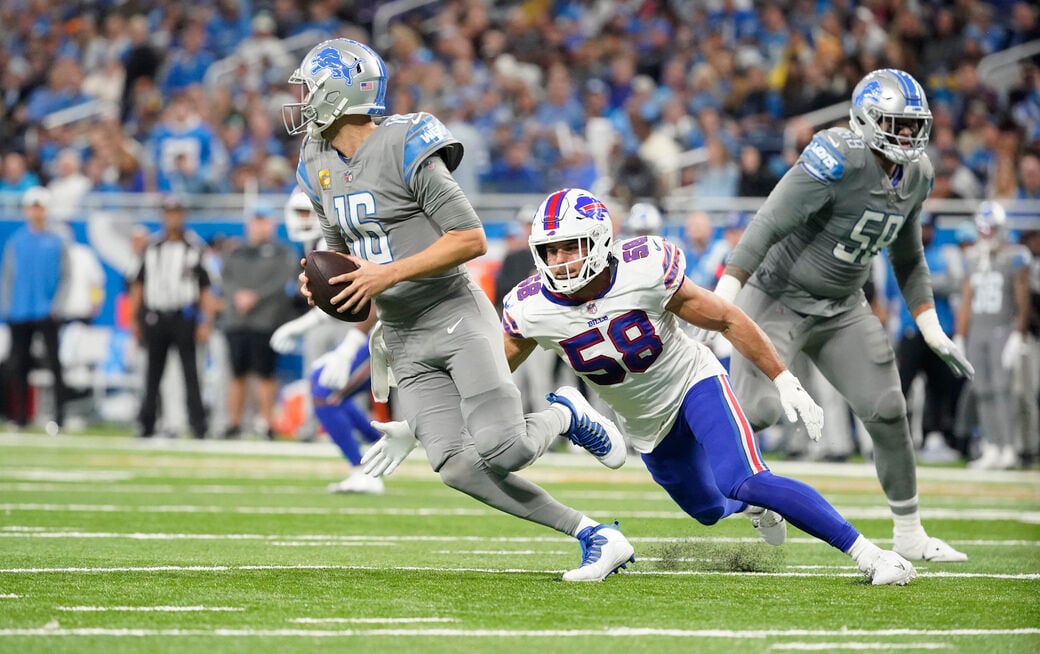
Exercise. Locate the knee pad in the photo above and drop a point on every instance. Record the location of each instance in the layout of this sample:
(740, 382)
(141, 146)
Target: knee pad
(763, 412)
(499, 433)
(461, 470)
(889, 405)
(708, 516)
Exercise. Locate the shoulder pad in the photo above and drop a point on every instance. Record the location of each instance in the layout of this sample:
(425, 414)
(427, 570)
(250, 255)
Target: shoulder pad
(827, 156)
(1021, 256)
(425, 136)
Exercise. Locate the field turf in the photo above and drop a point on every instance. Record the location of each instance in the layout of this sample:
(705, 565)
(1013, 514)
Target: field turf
(110, 545)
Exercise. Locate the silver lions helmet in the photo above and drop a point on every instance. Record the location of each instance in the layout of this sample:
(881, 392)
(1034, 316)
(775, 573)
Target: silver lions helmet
(337, 78)
(571, 214)
(890, 111)
(644, 218)
(991, 222)
(301, 222)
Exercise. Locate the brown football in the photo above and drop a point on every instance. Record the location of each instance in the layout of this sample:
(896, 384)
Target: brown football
(323, 265)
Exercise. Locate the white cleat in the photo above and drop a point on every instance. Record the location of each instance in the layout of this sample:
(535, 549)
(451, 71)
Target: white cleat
(770, 525)
(934, 550)
(358, 482)
(590, 429)
(889, 569)
(604, 551)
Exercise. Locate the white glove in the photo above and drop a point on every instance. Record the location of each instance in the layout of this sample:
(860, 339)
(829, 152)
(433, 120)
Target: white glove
(337, 363)
(285, 338)
(798, 404)
(389, 451)
(727, 289)
(936, 338)
(1012, 350)
(382, 375)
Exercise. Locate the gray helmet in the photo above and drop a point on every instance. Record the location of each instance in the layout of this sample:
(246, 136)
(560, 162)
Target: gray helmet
(336, 78)
(886, 102)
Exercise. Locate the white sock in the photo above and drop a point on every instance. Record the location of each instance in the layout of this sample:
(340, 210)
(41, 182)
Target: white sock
(906, 527)
(586, 521)
(560, 410)
(863, 552)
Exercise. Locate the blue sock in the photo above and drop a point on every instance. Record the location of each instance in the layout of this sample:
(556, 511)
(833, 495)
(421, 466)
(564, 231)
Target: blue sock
(340, 426)
(801, 505)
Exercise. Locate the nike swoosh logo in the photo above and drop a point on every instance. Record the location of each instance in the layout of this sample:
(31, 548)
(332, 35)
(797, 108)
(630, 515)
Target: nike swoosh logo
(451, 330)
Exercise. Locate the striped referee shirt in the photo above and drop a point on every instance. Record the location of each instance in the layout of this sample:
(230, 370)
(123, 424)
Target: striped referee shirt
(172, 275)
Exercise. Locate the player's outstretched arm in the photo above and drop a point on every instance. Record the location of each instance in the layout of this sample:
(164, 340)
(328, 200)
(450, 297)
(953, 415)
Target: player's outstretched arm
(711, 311)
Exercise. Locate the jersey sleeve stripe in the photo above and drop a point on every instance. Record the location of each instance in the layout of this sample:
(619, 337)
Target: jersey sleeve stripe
(510, 326)
(671, 265)
(815, 174)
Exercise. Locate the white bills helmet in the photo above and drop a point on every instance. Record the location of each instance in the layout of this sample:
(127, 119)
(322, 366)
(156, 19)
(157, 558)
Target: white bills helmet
(886, 102)
(571, 214)
(336, 78)
(301, 222)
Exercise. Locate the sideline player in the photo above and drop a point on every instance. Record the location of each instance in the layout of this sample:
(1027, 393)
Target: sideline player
(993, 320)
(384, 193)
(804, 259)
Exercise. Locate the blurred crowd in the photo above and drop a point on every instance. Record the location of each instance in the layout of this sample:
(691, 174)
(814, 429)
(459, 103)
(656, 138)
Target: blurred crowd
(153, 95)
(635, 100)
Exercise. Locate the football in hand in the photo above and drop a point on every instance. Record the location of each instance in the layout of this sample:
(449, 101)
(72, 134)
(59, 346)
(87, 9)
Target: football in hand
(323, 265)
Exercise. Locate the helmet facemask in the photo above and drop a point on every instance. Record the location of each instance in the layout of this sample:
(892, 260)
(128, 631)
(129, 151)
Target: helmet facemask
(301, 222)
(890, 111)
(571, 215)
(336, 78)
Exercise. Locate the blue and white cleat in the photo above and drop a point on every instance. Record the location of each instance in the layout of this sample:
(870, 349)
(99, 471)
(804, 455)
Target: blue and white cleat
(604, 551)
(590, 429)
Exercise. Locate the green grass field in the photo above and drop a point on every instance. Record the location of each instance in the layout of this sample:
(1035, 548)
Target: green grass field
(109, 545)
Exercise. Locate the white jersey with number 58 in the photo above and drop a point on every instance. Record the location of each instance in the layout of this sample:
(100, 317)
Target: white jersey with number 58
(625, 343)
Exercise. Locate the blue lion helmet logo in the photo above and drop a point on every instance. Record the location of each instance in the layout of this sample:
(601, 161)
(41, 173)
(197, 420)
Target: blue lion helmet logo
(870, 91)
(330, 58)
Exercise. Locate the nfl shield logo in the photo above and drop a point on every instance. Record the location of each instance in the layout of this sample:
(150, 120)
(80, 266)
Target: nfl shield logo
(591, 307)
(348, 177)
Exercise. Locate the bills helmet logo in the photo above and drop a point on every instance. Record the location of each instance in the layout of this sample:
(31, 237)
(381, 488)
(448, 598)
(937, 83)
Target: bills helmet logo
(330, 58)
(591, 208)
(585, 206)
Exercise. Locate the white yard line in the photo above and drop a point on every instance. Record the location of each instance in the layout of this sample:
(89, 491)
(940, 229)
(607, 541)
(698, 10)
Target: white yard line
(324, 449)
(370, 620)
(455, 570)
(9, 596)
(851, 513)
(149, 609)
(867, 647)
(609, 632)
(16, 531)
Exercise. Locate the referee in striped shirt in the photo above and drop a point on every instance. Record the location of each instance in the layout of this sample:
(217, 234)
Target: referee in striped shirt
(172, 307)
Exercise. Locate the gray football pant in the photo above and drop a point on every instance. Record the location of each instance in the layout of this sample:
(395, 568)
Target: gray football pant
(455, 389)
(992, 385)
(855, 355)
